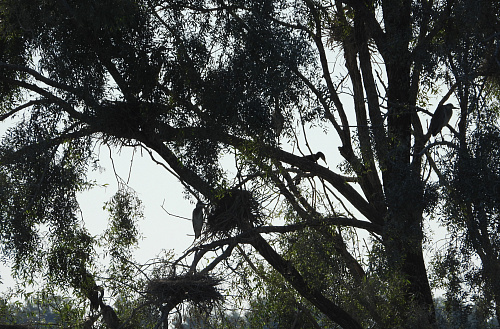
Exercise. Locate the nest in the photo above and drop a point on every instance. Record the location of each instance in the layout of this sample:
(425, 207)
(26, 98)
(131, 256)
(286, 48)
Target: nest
(237, 210)
(194, 288)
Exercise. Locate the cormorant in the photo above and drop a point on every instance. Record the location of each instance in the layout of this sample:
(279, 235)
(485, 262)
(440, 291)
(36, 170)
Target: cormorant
(315, 157)
(95, 296)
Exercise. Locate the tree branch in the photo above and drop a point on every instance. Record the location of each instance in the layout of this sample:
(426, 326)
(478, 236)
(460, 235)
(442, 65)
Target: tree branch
(21, 107)
(340, 221)
(290, 273)
(49, 96)
(42, 78)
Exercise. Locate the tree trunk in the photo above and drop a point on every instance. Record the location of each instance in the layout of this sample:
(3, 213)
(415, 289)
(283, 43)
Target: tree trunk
(404, 191)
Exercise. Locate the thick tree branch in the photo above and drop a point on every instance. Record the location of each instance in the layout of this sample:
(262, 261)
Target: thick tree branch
(367, 13)
(290, 273)
(367, 171)
(185, 173)
(336, 180)
(340, 221)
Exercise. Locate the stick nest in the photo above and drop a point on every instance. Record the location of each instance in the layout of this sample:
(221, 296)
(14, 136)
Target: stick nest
(236, 211)
(195, 288)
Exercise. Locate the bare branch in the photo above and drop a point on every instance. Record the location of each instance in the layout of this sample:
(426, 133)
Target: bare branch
(341, 221)
(21, 107)
(49, 96)
(40, 77)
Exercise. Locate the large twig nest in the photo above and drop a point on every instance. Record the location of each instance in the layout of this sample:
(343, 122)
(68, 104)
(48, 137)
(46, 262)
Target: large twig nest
(193, 288)
(236, 210)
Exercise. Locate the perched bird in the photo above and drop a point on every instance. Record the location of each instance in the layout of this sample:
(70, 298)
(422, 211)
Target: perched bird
(198, 219)
(315, 157)
(278, 120)
(95, 296)
(440, 118)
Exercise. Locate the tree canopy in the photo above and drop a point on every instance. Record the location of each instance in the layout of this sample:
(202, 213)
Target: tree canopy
(194, 82)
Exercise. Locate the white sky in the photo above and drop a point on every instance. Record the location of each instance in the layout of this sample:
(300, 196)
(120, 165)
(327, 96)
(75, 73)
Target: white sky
(155, 186)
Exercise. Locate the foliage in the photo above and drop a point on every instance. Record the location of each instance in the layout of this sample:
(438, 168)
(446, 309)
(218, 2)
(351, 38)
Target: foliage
(471, 212)
(121, 237)
(192, 82)
(41, 309)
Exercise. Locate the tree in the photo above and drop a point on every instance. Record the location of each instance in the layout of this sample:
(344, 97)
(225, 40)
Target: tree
(188, 82)
(470, 168)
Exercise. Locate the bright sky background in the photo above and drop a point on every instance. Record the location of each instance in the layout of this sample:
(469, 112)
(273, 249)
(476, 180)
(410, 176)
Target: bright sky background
(155, 186)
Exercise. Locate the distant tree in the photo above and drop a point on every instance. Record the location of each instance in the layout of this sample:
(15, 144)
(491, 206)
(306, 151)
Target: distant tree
(188, 82)
(40, 310)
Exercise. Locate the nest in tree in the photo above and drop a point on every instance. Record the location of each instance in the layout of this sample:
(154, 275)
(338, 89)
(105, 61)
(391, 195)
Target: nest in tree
(195, 288)
(236, 210)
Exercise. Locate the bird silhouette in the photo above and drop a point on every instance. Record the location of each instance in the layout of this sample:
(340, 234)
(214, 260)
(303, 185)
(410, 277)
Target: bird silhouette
(440, 118)
(198, 219)
(315, 157)
(312, 157)
(95, 296)
(278, 121)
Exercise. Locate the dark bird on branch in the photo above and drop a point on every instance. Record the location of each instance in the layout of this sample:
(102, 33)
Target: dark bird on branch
(95, 297)
(440, 118)
(198, 219)
(315, 157)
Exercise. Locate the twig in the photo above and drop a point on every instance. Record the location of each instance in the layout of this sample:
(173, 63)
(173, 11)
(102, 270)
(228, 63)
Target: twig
(172, 214)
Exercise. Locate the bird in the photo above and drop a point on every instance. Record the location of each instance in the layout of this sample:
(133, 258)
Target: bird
(95, 296)
(198, 219)
(315, 157)
(278, 121)
(440, 118)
